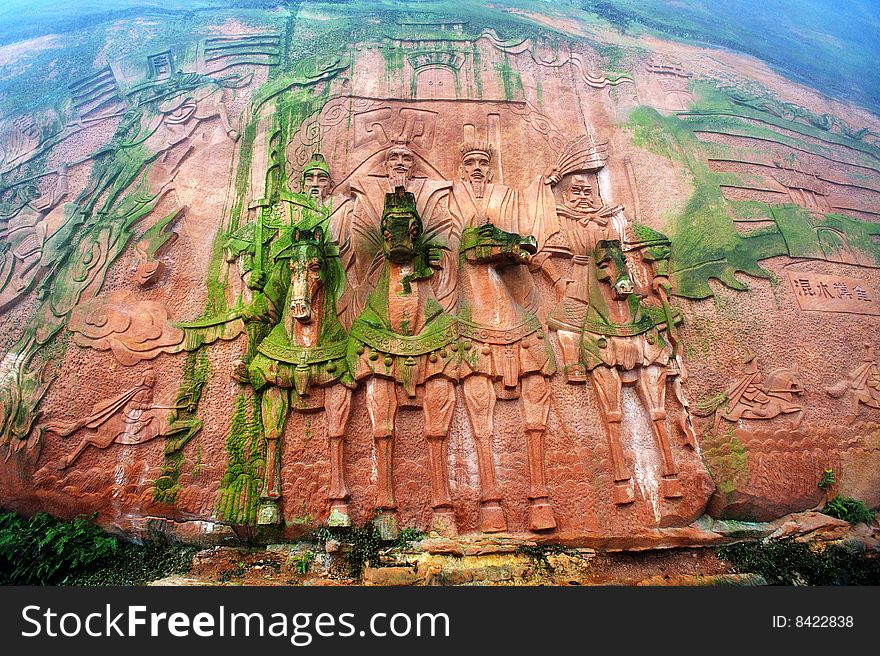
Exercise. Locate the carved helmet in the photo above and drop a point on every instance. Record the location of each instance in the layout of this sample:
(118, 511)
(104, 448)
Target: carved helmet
(317, 163)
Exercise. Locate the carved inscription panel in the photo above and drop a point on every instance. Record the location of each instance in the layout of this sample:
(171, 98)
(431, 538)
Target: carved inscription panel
(824, 293)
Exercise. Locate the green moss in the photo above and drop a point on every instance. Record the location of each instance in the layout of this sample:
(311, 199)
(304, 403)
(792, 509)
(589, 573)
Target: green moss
(478, 72)
(539, 554)
(728, 461)
(510, 80)
(706, 243)
(238, 213)
(395, 61)
(242, 483)
(361, 546)
(789, 562)
(196, 371)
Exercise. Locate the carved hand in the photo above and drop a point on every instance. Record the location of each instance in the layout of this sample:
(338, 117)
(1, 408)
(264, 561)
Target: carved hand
(560, 286)
(552, 176)
(259, 310)
(435, 257)
(257, 280)
(661, 282)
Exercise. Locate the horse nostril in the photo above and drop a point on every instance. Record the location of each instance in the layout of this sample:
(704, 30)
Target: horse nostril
(301, 309)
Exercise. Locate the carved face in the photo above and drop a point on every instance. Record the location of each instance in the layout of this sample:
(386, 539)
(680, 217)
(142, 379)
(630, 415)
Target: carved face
(580, 195)
(400, 232)
(475, 167)
(307, 274)
(316, 183)
(399, 163)
(149, 378)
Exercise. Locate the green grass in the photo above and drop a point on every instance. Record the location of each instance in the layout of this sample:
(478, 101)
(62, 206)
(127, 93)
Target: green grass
(45, 550)
(788, 562)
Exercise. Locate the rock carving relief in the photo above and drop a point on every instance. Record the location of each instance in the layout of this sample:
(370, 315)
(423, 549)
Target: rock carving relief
(133, 417)
(306, 257)
(755, 396)
(862, 386)
(608, 331)
(355, 220)
(97, 225)
(664, 85)
(504, 350)
(300, 365)
(402, 342)
(132, 330)
(825, 293)
(151, 248)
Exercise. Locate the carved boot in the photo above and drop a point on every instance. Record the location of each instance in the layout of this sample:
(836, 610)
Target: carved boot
(443, 521)
(492, 518)
(270, 512)
(339, 515)
(670, 486)
(384, 483)
(540, 511)
(624, 489)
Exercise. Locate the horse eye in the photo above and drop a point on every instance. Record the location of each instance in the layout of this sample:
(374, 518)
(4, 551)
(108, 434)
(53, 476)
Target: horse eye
(315, 266)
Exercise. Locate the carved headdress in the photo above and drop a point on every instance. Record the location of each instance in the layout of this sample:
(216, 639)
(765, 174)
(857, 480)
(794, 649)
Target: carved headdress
(317, 163)
(469, 147)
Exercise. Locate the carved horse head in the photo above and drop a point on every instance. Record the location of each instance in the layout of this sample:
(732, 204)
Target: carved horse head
(487, 244)
(611, 265)
(402, 228)
(310, 274)
(783, 384)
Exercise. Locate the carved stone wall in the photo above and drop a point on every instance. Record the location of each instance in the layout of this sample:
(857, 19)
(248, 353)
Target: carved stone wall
(648, 295)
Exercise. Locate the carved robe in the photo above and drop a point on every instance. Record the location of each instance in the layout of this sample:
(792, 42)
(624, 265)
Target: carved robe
(355, 227)
(503, 352)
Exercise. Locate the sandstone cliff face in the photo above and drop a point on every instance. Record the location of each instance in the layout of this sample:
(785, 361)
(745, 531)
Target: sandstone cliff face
(153, 214)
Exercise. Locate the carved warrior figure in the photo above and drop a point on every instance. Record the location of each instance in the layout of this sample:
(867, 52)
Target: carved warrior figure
(301, 364)
(130, 418)
(604, 327)
(501, 343)
(403, 344)
(863, 383)
(355, 223)
(307, 208)
(753, 397)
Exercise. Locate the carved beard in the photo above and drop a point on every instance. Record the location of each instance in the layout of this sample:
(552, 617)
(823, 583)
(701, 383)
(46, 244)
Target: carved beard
(479, 187)
(398, 179)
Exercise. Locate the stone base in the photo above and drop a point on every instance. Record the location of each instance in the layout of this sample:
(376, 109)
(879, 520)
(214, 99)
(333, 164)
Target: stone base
(670, 488)
(386, 524)
(443, 523)
(492, 518)
(541, 516)
(269, 513)
(624, 492)
(339, 515)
